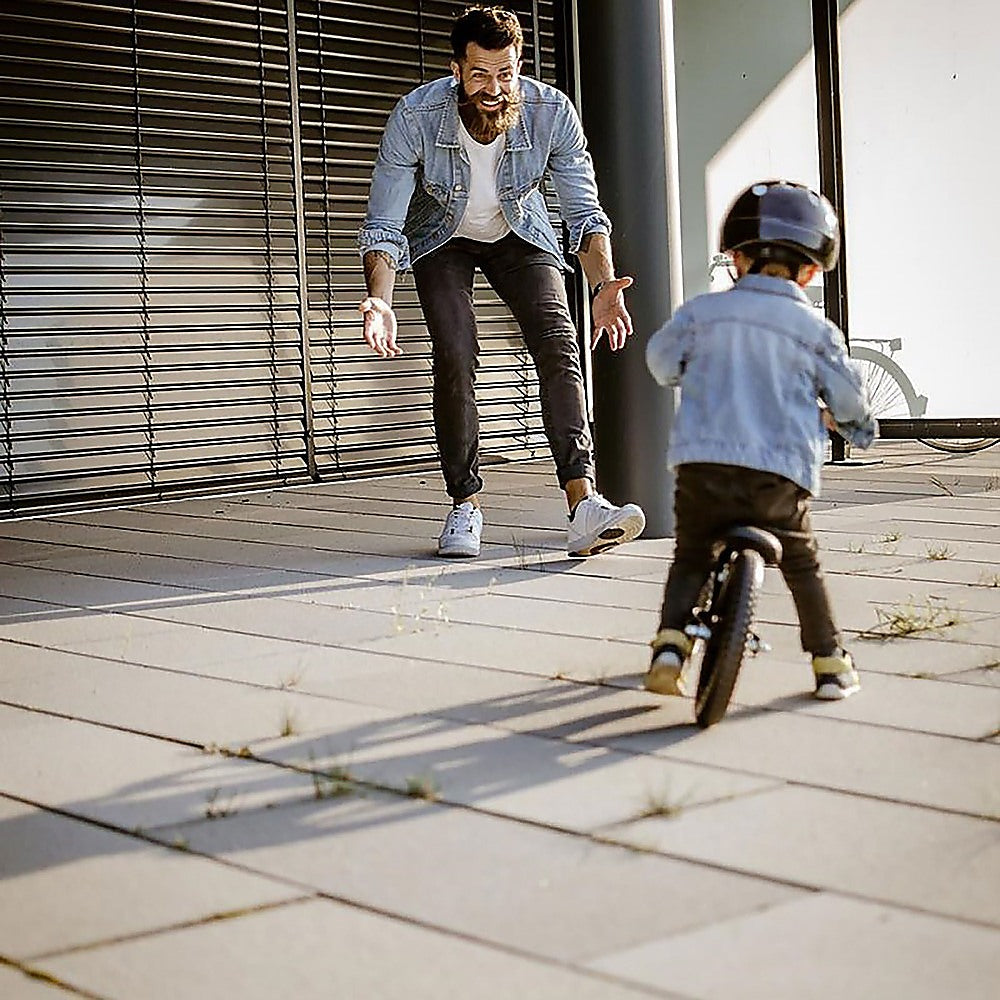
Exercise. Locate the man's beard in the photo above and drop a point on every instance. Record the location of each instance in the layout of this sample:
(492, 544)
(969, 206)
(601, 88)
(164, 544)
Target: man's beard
(485, 125)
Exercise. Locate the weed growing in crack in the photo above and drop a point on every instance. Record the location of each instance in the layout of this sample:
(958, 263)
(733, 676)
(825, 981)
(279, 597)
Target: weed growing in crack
(939, 552)
(289, 723)
(214, 809)
(332, 783)
(423, 786)
(664, 803)
(527, 557)
(909, 619)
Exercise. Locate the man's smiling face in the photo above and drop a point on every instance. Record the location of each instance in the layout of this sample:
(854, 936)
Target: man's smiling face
(489, 98)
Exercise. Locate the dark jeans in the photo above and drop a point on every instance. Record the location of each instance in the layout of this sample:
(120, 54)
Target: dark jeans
(711, 498)
(530, 281)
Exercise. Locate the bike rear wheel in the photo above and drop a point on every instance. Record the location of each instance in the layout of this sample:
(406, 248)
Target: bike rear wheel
(725, 649)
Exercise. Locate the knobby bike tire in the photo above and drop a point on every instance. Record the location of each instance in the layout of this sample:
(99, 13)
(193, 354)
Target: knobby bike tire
(727, 646)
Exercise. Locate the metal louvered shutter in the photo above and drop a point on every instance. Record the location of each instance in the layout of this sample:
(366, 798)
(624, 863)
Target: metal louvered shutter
(151, 332)
(372, 413)
(173, 174)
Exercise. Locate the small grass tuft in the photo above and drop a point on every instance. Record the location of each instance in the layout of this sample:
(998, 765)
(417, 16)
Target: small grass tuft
(909, 619)
(332, 783)
(527, 557)
(290, 681)
(289, 723)
(939, 552)
(889, 537)
(423, 786)
(664, 803)
(214, 809)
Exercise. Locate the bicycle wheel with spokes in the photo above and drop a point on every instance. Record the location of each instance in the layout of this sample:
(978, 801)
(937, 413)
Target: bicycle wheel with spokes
(889, 388)
(727, 646)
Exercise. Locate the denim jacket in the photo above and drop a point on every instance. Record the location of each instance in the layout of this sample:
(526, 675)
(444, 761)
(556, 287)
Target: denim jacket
(751, 363)
(420, 184)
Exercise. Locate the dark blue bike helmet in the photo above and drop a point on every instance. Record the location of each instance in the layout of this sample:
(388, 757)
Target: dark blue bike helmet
(783, 222)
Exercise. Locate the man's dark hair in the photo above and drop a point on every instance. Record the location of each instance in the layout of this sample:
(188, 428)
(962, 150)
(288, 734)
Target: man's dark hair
(492, 28)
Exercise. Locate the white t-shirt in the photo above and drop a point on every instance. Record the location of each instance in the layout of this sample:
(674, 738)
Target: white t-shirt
(483, 219)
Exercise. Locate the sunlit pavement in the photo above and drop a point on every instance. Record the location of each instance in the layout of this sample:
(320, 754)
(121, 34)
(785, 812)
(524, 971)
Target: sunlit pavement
(270, 746)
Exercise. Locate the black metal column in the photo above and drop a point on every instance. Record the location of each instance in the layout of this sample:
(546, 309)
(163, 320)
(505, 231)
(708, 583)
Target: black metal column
(621, 70)
(826, 46)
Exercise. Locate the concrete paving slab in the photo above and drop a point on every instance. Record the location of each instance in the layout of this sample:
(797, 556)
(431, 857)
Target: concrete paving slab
(520, 886)
(177, 706)
(847, 591)
(784, 953)
(553, 616)
(876, 761)
(90, 591)
(193, 574)
(537, 654)
(987, 676)
(568, 786)
(908, 856)
(942, 706)
(259, 553)
(70, 884)
(130, 781)
(18, 985)
(322, 949)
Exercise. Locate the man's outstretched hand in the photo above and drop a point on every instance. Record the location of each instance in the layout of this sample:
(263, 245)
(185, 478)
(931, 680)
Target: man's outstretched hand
(380, 326)
(609, 313)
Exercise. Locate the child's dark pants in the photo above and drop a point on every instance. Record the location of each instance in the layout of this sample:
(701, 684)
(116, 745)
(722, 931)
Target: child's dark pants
(711, 498)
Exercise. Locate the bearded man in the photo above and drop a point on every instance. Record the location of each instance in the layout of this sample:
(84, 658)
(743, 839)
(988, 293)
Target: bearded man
(456, 186)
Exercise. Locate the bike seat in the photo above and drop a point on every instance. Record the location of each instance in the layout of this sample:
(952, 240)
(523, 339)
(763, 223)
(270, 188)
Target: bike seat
(746, 536)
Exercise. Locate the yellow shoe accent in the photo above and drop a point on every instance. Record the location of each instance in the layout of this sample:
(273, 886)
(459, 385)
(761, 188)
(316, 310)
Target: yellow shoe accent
(671, 637)
(836, 677)
(667, 674)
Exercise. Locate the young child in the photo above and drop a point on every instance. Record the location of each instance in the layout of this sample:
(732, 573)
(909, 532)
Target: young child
(747, 441)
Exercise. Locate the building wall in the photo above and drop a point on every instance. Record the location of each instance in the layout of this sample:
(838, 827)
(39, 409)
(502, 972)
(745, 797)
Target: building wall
(918, 160)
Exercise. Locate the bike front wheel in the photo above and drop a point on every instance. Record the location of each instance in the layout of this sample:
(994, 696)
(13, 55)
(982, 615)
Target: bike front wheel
(725, 649)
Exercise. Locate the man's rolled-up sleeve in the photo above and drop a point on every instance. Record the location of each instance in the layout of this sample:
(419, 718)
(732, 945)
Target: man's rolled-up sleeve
(572, 172)
(392, 184)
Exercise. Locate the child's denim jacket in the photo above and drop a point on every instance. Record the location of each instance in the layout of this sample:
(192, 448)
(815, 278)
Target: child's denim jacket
(420, 184)
(751, 363)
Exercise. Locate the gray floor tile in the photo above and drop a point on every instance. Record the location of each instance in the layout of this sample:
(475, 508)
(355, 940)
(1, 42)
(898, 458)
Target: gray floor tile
(319, 950)
(68, 884)
(519, 886)
(785, 953)
(904, 855)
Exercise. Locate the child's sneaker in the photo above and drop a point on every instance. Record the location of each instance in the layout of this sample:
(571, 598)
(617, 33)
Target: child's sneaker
(836, 676)
(462, 531)
(666, 674)
(597, 524)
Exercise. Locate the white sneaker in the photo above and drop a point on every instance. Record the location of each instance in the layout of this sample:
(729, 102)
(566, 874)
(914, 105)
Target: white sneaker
(463, 529)
(597, 525)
